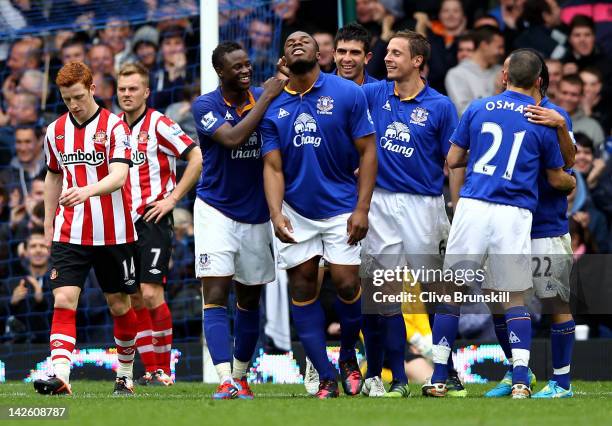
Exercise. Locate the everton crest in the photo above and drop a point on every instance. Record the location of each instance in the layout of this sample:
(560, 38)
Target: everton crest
(325, 104)
(419, 116)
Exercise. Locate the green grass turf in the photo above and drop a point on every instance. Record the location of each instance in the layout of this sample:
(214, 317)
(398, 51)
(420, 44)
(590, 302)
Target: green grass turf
(190, 404)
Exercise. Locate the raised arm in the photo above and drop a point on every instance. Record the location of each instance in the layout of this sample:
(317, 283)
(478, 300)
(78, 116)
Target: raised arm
(234, 136)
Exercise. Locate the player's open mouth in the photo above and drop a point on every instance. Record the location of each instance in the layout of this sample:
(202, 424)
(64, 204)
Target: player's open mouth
(245, 79)
(298, 51)
(348, 67)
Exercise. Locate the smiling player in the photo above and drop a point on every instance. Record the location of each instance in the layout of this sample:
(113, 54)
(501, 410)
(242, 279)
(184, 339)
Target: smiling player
(233, 238)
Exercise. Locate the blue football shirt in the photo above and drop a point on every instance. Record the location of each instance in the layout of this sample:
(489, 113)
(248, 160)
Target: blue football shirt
(506, 150)
(412, 137)
(315, 134)
(550, 217)
(232, 179)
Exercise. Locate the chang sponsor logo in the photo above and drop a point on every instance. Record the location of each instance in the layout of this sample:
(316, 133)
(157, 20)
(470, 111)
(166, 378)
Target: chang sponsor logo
(395, 139)
(93, 158)
(250, 150)
(303, 125)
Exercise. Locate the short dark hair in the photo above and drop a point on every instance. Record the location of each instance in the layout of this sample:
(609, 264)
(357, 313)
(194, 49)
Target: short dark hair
(486, 33)
(171, 32)
(582, 21)
(353, 32)
(467, 36)
(595, 71)
(37, 230)
(417, 43)
(584, 141)
(573, 79)
(221, 50)
(36, 129)
(71, 42)
(524, 68)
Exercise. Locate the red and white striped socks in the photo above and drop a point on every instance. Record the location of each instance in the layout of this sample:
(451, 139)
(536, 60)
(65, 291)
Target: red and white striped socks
(162, 335)
(62, 341)
(125, 339)
(144, 340)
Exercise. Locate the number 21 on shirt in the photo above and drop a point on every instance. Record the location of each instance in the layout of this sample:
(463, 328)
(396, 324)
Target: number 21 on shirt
(482, 164)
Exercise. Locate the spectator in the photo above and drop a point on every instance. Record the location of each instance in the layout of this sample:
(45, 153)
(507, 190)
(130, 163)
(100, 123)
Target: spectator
(507, 13)
(100, 58)
(32, 81)
(28, 307)
(475, 78)
(583, 50)
(325, 40)
(80, 14)
(540, 18)
(25, 55)
(182, 253)
(116, 34)
(23, 109)
(582, 240)
(451, 21)
(180, 112)
(593, 9)
(581, 205)
(486, 20)
(105, 91)
(592, 101)
(28, 163)
(172, 75)
(259, 42)
(287, 11)
(465, 46)
(569, 98)
(146, 41)
(72, 50)
(555, 72)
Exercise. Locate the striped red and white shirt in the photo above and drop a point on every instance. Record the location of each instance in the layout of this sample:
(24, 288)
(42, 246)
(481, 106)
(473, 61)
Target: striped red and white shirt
(82, 153)
(157, 142)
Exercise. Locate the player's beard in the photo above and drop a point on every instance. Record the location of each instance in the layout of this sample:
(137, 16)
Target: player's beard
(302, 66)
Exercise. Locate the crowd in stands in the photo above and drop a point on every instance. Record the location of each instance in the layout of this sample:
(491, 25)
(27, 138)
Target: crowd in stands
(469, 40)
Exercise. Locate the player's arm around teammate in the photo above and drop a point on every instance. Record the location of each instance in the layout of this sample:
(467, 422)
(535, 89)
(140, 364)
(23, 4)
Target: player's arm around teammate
(156, 144)
(233, 237)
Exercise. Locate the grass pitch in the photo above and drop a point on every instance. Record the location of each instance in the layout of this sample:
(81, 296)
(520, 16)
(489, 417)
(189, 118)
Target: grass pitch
(190, 404)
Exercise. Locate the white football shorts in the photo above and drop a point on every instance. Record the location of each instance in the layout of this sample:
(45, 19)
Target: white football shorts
(493, 234)
(225, 247)
(407, 230)
(323, 237)
(552, 260)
